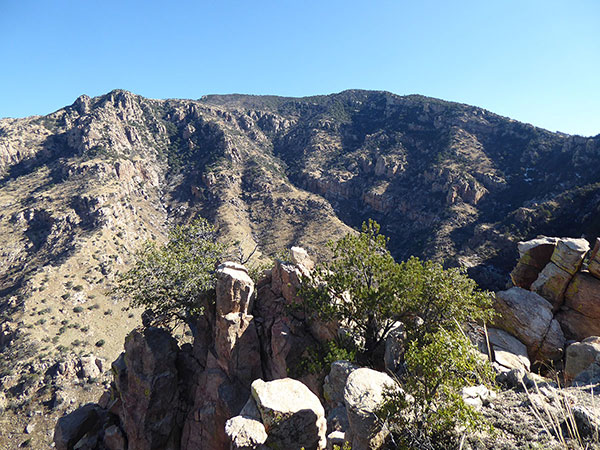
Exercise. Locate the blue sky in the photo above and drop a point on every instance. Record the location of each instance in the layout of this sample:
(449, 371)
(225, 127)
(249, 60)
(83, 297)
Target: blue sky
(537, 61)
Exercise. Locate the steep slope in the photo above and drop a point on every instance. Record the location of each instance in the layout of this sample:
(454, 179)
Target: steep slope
(82, 188)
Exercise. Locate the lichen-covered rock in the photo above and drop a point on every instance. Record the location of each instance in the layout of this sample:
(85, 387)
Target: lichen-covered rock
(569, 254)
(363, 395)
(580, 355)
(292, 415)
(577, 326)
(594, 265)
(583, 295)
(551, 284)
(529, 318)
(534, 255)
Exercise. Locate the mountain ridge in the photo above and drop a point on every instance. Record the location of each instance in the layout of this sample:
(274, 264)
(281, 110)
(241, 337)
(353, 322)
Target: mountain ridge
(82, 188)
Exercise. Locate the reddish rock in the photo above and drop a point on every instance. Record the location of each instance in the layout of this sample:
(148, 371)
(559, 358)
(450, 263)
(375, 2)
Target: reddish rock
(577, 326)
(583, 295)
(286, 281)
(237, 346)
(149, 391)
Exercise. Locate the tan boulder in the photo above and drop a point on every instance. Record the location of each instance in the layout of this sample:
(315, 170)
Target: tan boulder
(529, 318)
(364, 394)
(569, 254)
(551, 284)
(245, 433)
(508, 351)
(235, 289)
(292, 415)
(580, 355)
(300, 257)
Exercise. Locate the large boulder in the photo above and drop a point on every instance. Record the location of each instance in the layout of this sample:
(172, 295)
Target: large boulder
(300, 258)
(245, 433)
(292, 415)
(580, 355)
(508, 351)
(246, 430)
(364, 394)
(529, 318)
(534, 255)
(575, 325)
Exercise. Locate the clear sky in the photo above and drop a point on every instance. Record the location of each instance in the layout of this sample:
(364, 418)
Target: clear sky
(537, 61)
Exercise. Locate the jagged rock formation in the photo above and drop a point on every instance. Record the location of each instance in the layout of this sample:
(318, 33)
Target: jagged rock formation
(83, 187)
(230, 388)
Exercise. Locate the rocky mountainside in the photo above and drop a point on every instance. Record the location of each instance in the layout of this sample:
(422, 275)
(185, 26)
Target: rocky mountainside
(82, 188)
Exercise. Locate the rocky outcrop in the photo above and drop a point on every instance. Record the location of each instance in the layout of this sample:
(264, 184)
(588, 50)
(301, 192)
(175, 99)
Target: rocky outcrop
(146, 390)
(566, 260)
(164, 396)
(594, 265)
(232, 363)
(572, 291)
(73, 427)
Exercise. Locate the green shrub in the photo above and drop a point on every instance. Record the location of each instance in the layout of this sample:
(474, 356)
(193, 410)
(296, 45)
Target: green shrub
(77, 309)
(363, 287)
(174, 280)
(100, 343)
